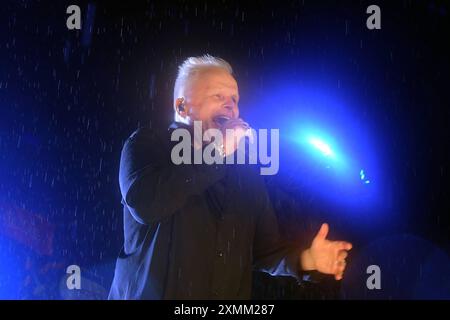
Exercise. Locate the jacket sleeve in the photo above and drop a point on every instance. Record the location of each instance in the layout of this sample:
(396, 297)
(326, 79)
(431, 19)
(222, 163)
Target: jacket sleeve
(151, 186)
(271, 253)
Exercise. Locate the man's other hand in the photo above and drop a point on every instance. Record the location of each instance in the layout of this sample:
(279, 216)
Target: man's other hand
(326, 256)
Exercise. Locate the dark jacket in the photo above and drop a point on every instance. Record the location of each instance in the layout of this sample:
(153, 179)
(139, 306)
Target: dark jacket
(193, 231)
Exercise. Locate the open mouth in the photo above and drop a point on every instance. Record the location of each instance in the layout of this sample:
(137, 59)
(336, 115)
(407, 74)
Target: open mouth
(220, 120)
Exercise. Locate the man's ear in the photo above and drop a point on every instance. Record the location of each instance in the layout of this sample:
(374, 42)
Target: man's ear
(180, 107)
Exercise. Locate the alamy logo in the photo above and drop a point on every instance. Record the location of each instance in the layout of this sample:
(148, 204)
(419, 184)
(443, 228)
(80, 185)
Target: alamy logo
(374, 20)
(213, 153)
(74, 20)
(74, 279)
(374, 280)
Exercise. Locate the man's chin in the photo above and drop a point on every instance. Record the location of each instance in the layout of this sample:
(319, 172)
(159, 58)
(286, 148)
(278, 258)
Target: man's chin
(206, 125)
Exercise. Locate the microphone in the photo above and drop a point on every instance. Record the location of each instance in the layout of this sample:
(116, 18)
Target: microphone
(249, 138)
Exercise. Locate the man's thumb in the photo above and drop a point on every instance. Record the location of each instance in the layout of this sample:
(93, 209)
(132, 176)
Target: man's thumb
(323, 232)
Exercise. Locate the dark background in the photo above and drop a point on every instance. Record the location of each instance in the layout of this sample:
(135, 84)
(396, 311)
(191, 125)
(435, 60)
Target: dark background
(69, 99)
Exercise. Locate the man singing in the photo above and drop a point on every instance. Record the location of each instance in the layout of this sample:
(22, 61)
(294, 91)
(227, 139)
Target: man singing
(197, 231)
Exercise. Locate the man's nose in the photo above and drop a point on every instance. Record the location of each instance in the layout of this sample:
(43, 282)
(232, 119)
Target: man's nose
(229, 104)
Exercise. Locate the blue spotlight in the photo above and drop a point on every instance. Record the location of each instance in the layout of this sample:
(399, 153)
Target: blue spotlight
(321, 146)
(321, 149)
(327, 147)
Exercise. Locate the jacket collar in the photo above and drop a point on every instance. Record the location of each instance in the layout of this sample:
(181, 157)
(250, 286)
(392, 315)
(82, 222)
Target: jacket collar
(177, 125)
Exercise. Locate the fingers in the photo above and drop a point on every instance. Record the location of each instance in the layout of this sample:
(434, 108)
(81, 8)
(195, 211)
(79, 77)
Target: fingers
(340, 265)
(239, 129)
(232, 123)
(342, 255)
(339, 269)
(343, 245)
(323, 232)
(332, 253)
(244, 124)
(339, 276)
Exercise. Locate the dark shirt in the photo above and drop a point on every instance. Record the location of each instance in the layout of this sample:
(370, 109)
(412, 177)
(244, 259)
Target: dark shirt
(193, 231)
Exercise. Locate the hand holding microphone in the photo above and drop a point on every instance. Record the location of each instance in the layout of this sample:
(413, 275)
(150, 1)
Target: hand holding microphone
(233, 130)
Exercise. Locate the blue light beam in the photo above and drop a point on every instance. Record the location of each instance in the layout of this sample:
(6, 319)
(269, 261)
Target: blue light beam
(321, 146)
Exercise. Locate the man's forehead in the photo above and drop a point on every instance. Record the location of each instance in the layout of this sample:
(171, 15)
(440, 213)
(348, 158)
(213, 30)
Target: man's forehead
(216, 77)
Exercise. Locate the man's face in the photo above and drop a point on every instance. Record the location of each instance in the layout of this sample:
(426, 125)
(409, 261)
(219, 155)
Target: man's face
(212, 94)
